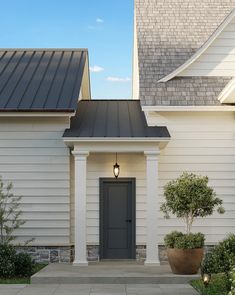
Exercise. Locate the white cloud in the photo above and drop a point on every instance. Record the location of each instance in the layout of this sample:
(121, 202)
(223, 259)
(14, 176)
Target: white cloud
(96, 69)
(118, 79)
(99, 20)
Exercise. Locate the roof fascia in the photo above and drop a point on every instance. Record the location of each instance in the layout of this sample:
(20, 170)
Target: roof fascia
(229, 89)
(37, 114)
(110, 145)
(201, 50)
(221, 108)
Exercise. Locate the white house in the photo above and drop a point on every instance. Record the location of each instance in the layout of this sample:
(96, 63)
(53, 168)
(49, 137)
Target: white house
(58, 147)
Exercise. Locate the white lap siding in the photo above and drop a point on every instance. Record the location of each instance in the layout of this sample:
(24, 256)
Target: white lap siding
(203, 143)
(35, 159)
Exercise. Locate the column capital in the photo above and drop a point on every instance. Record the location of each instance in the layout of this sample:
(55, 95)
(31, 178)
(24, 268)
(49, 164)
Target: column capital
(78, 153)
(152, 154)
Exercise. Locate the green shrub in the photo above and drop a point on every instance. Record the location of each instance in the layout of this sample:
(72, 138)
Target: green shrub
(232, 281)
(170, 238)
(7, 261)
(219, 285)
(221, 258)
(184, 241)
(13, 264)
(23, 265)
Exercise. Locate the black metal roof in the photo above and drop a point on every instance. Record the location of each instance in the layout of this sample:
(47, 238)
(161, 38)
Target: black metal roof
(41, 79)
(112, 118)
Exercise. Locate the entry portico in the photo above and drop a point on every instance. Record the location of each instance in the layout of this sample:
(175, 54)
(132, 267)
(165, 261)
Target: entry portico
(125, 134)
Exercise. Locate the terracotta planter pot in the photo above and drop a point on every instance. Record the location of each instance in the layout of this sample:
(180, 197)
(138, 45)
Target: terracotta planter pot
(185, 261)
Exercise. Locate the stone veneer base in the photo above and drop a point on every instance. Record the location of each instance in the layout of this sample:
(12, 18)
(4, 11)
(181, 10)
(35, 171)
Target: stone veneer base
(65, 254)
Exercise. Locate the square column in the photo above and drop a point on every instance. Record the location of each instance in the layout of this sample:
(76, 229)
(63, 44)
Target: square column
(152, 257)
(80, 160)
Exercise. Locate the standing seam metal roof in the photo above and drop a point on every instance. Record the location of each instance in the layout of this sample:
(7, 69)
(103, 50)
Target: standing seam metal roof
(41, 79)
(112, 118)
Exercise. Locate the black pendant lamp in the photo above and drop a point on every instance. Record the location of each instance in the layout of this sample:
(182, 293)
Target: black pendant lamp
(116, 169)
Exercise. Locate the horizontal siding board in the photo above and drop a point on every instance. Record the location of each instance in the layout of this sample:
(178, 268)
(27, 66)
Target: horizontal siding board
(13, 176)
(44, 240)
(202, 143)
(21, 143)
(43, 215)
(218, 59)
(55, 223)
(198, 151)
(31, 135)
(58, 184)
(45, 200)
(44, 207)
(34, 158)
(42, 232)
(209, 73)
(206, 159)
(34, 168)
(26, 151)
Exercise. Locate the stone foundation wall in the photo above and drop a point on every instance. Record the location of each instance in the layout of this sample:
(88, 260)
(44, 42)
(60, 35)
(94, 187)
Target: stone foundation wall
(65, 254)
(60, 254)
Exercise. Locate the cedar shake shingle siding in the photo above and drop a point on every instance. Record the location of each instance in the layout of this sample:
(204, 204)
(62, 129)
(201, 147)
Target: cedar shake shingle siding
(169, 32)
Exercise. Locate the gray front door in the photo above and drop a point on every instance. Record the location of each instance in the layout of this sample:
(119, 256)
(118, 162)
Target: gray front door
(117, 218)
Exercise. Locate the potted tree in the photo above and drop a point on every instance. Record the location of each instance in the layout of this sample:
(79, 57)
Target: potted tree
(188, 197)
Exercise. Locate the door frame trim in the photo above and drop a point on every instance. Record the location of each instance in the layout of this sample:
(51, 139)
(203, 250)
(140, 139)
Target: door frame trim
(132, 181)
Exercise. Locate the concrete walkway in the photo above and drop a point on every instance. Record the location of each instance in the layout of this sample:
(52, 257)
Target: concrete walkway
(112, 289)
(109, 273)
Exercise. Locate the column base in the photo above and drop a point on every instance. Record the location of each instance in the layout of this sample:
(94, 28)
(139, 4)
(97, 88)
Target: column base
(152, 263)
(80, 263)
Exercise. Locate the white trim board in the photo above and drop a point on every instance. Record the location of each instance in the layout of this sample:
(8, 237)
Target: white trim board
(113, 145)
(37, 114)
(228, 93)
(221, 108)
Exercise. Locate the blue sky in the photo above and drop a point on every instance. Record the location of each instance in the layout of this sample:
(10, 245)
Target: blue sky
(105, 27)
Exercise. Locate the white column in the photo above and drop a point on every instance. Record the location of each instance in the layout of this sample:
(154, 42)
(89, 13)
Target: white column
(80, 160)
(152, 257)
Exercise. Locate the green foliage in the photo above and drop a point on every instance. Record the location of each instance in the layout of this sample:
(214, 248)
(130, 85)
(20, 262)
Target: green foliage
(184, 241)
(189, 197)
(23, 265)
(9, 213)
(221, 258)
(13, 264)
(232, 281)
(219, 285)
(170, 238)
(7, 261)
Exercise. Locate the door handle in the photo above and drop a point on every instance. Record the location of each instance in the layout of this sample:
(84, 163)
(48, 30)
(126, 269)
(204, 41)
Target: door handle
(128, 220)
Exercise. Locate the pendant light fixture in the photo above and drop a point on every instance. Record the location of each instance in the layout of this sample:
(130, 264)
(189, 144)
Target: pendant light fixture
(116, 169)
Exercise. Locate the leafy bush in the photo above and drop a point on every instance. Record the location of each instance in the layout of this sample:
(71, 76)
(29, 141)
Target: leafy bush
(7, 261)
(189, 197)
(184, 241)
(170, 238)
(9, 213)
(232, 281)
(221, 258)
(13, 264)
(23, 265)
(219, 285)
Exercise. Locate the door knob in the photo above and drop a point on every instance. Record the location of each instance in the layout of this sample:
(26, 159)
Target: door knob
(128, 220)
